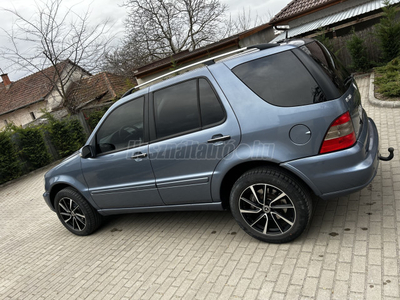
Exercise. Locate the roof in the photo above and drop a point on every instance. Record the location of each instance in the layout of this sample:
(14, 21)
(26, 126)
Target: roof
(103, 86)
(299, 7)
(333, 19)
(187, 56)
(26, 91)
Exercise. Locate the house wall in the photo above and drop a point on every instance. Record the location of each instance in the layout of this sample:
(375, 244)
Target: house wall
(22, 116)
(54, 99)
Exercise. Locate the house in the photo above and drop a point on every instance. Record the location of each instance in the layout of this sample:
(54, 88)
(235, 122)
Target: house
(22, 101)
(335, 18)
(99, 89)
(257, 35)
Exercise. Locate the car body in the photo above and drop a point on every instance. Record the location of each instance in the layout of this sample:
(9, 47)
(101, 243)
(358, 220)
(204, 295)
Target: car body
(259, 133)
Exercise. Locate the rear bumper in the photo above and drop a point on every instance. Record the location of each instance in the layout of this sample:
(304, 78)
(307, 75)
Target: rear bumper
(343, 172)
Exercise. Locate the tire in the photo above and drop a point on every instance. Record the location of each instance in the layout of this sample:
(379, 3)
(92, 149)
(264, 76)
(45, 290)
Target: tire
(279, 217)
(75, 213)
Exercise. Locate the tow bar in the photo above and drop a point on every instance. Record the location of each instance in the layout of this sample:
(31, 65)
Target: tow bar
(391, 155)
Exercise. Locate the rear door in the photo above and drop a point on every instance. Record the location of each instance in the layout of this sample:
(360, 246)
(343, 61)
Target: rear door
(192, 129)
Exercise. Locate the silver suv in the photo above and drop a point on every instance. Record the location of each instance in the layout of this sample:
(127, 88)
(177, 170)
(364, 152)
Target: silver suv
(259, 133)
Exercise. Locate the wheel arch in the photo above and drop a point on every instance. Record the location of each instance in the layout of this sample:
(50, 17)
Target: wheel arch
(62, 185)
(235, 172)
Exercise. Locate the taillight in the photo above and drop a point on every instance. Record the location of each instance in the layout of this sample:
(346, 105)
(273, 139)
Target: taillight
(340, 135)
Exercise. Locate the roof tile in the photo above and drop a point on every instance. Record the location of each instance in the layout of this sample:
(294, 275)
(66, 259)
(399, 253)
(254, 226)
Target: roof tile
(297, 7)
(27, 90)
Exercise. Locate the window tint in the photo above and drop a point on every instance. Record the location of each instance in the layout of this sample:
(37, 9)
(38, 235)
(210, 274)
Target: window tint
(122, 128)
(211, 109)
(280, 79)
(329, 63)
(176, 109)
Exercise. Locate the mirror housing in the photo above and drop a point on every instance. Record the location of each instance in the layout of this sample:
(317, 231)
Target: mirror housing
(87, 152)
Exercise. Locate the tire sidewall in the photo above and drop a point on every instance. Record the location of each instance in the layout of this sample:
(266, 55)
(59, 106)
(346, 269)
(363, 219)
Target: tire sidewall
(83, 205)
(285, 184)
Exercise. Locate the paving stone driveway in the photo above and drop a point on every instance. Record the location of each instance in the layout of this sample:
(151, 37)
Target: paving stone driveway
(350, 251)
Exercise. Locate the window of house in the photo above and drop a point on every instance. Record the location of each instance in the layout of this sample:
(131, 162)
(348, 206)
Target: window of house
(123, 127)
(33, 116)
(5, 122)
(186, 107)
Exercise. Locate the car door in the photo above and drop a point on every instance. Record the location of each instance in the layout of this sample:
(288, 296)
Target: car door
(193, 128)
(120, 174)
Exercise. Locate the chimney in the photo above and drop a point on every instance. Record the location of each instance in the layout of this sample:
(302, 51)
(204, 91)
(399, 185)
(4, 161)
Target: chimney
(6, 80)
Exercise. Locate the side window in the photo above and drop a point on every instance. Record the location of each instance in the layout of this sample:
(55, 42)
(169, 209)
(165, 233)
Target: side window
(186, 106)
(122, 128)
(176, 109)
(280, 79)
(211, 109)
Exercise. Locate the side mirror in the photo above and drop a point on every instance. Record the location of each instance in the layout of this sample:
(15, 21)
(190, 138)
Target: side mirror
(87, 152)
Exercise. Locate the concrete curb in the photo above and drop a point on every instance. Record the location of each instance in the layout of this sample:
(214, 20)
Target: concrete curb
(376, 102)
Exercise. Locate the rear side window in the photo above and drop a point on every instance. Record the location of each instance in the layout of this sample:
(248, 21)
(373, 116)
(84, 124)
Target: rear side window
(176, 109)
(329, 63)
(211, 109)
(280, 79)
(186, 107)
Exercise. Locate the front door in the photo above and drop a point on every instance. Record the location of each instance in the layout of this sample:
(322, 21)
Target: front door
(120, 175)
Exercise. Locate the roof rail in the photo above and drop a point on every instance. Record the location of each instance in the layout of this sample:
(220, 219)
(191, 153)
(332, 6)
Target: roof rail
(208, 62)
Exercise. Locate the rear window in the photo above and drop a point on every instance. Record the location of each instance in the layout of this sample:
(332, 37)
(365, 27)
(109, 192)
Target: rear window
(280, 79)
(329, 63)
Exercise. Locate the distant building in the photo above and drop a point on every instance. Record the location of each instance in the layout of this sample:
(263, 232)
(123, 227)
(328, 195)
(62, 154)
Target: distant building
(21, 101)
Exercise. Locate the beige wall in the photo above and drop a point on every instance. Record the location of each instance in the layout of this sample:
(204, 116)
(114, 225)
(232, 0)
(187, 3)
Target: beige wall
(22, 116)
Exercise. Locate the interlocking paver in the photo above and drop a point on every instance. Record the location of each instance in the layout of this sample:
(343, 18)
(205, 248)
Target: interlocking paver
(205, 255)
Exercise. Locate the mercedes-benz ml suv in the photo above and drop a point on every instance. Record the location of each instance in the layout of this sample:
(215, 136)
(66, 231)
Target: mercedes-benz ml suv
(259, 133)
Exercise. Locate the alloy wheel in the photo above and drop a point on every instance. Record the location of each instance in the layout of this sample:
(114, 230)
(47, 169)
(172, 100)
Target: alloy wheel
(267, 209)
(71, 214)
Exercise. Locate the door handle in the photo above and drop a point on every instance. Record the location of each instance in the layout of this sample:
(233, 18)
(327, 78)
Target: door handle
(219, 138)
(137, 155)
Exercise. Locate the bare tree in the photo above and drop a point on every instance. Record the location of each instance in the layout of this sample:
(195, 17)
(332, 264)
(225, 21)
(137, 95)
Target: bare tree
(246, 20)
(165, 27)
(56, 37)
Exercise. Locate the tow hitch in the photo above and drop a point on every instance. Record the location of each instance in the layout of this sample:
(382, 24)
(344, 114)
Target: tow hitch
(391, 155)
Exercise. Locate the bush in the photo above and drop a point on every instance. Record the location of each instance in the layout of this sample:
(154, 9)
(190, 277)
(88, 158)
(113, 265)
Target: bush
(32, 147)
(67, 135)
(358, 53)
(10, 167)
(94, 117)
(388, 79)
(388, 33)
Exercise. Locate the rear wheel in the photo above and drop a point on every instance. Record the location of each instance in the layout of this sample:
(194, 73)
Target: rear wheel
(75, 213)
(270, 205)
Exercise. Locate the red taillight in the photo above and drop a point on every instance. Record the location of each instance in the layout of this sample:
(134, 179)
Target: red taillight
(340, 135)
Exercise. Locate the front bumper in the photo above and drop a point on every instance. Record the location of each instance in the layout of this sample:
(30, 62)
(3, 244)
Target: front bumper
(46, 197)
(343, 172)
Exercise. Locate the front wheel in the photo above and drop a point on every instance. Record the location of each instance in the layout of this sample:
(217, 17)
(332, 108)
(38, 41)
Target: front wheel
(75, 213)
(270, 205)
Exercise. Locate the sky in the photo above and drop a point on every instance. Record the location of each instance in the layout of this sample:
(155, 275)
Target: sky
(115, 13)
